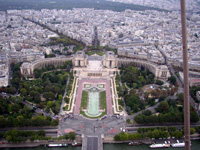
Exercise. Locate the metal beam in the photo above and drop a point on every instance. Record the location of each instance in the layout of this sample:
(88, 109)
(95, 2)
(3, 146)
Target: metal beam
(185, 71)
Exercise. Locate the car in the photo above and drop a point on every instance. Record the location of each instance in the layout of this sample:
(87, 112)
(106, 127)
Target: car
(50, 141)
(104, 117)
(72, 116)
(65, 119)
(115, 116)
(67, 116)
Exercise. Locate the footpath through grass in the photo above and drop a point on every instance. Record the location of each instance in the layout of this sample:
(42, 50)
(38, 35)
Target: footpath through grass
(84, 100)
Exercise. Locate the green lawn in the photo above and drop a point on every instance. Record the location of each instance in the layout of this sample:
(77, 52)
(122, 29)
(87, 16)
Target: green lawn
(100, 53)
(102, 104)
(83, 113)
(84, 100)
(120, 108)
(124, 86)
(66, 107)
(103, 100)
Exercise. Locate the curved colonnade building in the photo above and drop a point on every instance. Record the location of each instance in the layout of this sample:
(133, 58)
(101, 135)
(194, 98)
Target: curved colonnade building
(160, 71)
(109, 61)
(27, 68)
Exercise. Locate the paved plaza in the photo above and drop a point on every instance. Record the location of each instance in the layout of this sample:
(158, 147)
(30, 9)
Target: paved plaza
(108, 126)
(94, 74)
(93, 82)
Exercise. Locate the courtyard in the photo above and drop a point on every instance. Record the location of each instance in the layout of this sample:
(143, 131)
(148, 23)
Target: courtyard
(93, 93)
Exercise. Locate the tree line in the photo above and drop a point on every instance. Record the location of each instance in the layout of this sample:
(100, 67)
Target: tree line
(153, 133)
(18, 136)
(65, 42)
(133, 80)
(45, 91)
(136, 78)
(168, 112)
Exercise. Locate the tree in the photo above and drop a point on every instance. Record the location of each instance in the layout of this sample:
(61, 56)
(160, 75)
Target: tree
(72, 135)
(192, 131)
(197, 128)
(194, 117)
(23, 92)
(133, 101)
(66, 136)
(1, 134)
(117, 137)
(140, 130)
(140, 119)
(163, 106)
(38, 89)
(50, 55)
(180, 97)
(155, 134)
(135, 136)
(177, 134)
(147, 113)
(149, 134)
(66, 100)
(130, 75)
(54, 123)
(9, 138)
(12, 90)
(24, 139)
(128, 110)
(32, 138)
(20, 120)
(120, 91)
(35, 96)
(123, 136)
(172, 80)
(159, 82)
(49, 95)
(166, 134)
(49, 104)
(15, 108)
(162, 98)
(41, 133)
(128, 121)
(60, 97)
(155, 93)
(48, 118)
